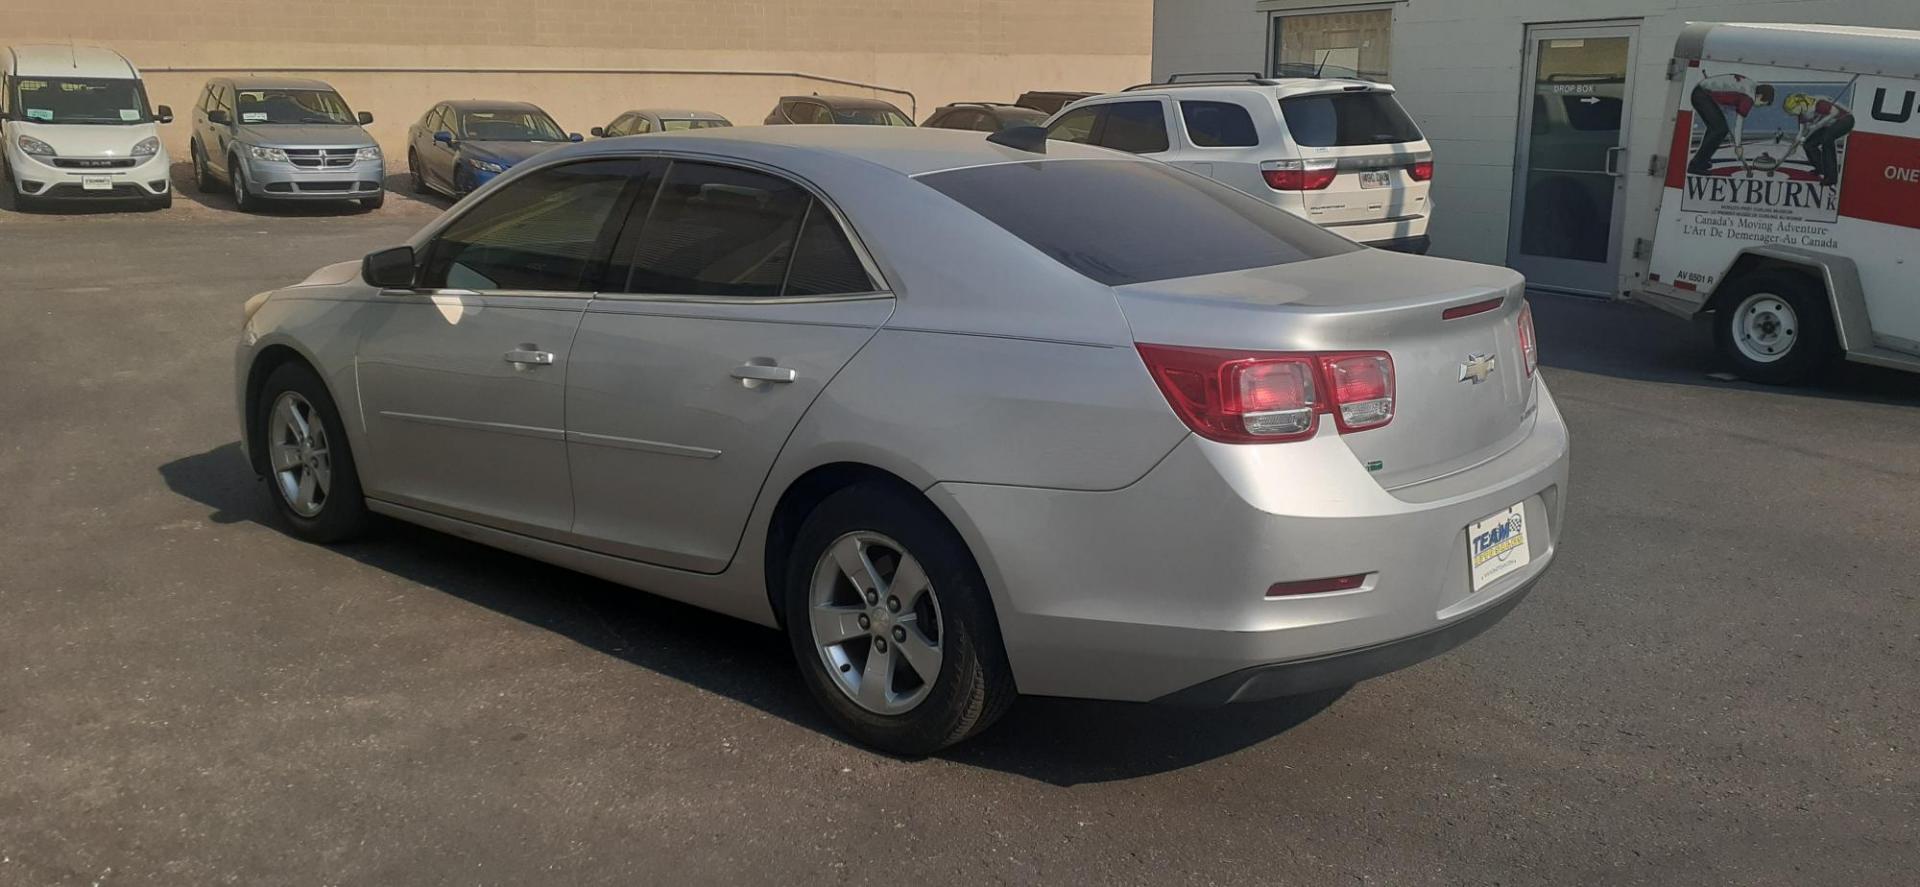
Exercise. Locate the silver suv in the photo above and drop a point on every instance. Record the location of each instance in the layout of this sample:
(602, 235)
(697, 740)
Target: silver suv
(284, 139)
(1339, 153)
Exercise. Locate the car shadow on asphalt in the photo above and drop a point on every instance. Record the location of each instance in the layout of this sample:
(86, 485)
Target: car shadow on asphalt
(1628, 340)
(1058, 741)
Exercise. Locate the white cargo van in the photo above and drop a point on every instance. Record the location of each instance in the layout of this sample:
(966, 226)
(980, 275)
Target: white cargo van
(1791, 207)
(76, 126)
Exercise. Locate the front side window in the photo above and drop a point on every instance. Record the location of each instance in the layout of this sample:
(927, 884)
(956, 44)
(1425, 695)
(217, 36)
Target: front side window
(676, 124)
(1075, 126)
(1332, 44)
(1218, 125)
(640, 125)
(509, 125)
(292, 106)
(1135, 127)
(1129, 221)
(547, 231)
(808, 112)
(1344, 119)
(869, 117)
(79, 100)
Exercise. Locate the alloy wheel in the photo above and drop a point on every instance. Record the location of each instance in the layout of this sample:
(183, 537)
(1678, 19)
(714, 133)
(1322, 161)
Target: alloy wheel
(875, 621)
(1765, 327)
(298, 453)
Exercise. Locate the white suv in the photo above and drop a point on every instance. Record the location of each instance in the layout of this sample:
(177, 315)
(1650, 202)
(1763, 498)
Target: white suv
(1339, 153)
(75, 125)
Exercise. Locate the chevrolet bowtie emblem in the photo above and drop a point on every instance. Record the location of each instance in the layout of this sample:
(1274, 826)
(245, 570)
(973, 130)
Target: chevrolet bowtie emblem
(1477, 369)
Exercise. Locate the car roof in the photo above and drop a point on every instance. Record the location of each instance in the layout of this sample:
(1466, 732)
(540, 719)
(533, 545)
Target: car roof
(66, 60)
(488, 105)
(842, 101)
(909, 151)
(277, 83)
(676, 113)
(1276, 87)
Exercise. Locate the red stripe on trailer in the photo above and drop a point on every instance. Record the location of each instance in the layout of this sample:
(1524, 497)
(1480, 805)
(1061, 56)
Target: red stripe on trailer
(1685, 285)
(1677, 153)
(1882, 180)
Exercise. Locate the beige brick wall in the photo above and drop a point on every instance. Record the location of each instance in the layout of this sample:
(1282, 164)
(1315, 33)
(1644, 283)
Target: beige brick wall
(940, 51)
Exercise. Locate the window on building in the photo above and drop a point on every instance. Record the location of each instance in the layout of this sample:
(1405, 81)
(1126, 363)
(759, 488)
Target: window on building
(1331, 44)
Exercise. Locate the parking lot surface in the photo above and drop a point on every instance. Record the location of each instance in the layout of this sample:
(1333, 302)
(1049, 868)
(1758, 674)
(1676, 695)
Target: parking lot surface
(1715, 685)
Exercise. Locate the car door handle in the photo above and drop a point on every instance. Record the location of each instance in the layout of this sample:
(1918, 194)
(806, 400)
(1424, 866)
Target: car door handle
(525, 356)
(754, 372)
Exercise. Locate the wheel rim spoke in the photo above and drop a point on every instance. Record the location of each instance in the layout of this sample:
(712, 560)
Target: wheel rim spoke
(285, 456)
(877, 678)
(295, 421)
(836, 625)
(851, 557)
(908, 581)
(303, 498)
(922, 657)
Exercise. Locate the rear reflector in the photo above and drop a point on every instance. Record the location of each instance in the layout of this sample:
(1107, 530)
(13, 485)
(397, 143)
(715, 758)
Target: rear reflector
(1317, 586)
(1459, 311)
(1271, 397)
(1421, 171)
(1298, 175)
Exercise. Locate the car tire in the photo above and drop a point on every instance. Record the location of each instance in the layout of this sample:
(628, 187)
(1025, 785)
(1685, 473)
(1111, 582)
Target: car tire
(1775, 327)
(301, 465)
(202, 176)
(413, 172)
(27, 203)
(370, 204)
(948, 619)
(243, 200)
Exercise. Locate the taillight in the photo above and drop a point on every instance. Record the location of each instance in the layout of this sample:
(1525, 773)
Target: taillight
(1298, 175)
(1422, 171)
(1270, 397)
(1529, 345)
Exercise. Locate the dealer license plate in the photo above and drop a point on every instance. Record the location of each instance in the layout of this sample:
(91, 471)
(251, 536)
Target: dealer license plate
(96, 183)
(1376, 178)
(1497, 545)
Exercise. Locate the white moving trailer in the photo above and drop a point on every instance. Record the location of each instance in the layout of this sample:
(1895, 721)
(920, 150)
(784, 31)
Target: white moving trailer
(1791, 206)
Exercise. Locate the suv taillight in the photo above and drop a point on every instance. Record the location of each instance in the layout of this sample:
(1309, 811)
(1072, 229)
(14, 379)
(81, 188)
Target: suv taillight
(1422, 171)
(1298, 175)
(1271, 397)
(1529, 346)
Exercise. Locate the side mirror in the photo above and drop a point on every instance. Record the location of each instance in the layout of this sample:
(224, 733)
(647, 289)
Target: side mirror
(574, 137)
(444, 138)
(390, 268)
(599, 132)
(164, 113)
(219, 118)
(366, 117)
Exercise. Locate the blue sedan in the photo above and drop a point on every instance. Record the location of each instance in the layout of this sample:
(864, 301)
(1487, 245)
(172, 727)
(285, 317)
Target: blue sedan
(458, 146)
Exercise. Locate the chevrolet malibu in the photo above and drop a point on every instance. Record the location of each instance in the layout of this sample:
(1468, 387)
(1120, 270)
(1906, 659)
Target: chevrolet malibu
(965, 416)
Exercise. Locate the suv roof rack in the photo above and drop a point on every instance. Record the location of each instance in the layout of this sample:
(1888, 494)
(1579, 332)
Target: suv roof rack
(1220, 78)
(986, 105)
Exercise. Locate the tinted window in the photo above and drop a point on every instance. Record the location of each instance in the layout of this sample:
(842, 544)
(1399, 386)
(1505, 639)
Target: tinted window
(1347, 118)
(1218, 125)
(544, 232)
(869, 117)
(509, 125)
(1074, 126)
(1010, 117)
(808, 112)
(718, 231)
(824, 263)
(676, 124)
(1134, 127)
(1122, 221)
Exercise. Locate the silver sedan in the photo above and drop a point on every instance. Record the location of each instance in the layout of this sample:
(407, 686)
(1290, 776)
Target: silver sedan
(966, 416)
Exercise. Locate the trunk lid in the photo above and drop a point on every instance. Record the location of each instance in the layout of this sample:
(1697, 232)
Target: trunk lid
(1371, 300)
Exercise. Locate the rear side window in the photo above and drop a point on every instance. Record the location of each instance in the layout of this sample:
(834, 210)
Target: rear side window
(544, 232)
(1345, 119)
(824, 263)
(718, 231)
(1218, 125)
(1122, 221)
(1134, 127)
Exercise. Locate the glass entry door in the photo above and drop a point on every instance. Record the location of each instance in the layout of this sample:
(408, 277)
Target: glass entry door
(1570, 182)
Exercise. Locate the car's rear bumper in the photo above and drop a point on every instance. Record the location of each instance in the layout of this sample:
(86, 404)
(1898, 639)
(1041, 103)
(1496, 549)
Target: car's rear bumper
(1416, 245)
(1144, 592)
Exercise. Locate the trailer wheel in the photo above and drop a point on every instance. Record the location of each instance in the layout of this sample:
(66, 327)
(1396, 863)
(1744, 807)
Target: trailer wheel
(1775, 326)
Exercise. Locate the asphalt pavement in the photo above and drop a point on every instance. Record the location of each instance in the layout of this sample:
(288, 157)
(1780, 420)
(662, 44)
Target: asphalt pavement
(1715, 685)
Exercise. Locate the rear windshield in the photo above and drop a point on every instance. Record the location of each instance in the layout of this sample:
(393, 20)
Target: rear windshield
(1345, 119)
(1123, 221)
